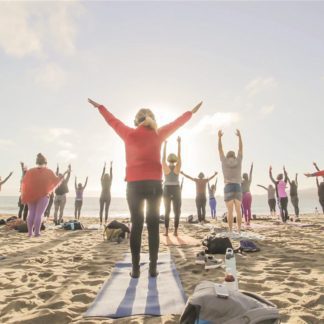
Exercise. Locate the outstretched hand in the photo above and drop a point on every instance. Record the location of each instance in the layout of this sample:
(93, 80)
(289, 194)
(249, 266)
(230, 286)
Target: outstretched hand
(179, 139)
(195, 109)
(308, 175)
(220, 133)
(93, 103)
(238, 133)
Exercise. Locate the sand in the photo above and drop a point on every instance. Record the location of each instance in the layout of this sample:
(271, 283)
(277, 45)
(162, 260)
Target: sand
(54, 278)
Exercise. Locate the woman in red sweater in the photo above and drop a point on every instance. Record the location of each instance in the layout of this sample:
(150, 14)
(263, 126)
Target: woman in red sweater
(144, 176)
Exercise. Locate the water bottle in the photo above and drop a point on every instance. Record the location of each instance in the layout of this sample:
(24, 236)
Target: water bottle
(72, 226)
(231, 279)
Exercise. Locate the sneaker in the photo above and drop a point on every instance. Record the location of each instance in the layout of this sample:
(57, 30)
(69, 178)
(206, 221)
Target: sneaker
(212, 263)
(200, 258)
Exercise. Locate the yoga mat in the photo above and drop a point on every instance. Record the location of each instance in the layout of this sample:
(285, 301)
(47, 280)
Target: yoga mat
(123, 296)
(179, 240)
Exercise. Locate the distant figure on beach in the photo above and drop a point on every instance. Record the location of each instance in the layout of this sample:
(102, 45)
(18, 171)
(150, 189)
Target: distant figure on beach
(247, 197)
(294, 194)
(36, 187)
(23, 208)
(281, 185)
(201, 198)
(271, 198)
(172, 189)
(105, 196)
(5, 180)
(320, 188)
(232, 171)
(212, 198)
(60, 195)
(79, 189)
(144, 176)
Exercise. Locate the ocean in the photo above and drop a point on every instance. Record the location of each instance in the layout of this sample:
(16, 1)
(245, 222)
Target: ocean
(119, 207)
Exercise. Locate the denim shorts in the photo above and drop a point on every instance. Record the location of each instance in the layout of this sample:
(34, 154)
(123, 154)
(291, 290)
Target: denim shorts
(232, 191)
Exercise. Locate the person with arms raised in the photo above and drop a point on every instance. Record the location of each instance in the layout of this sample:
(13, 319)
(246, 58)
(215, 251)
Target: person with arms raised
(144, 176)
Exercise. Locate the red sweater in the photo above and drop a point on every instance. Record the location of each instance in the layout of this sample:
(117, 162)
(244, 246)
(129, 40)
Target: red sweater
(318, 174)
(143, 146)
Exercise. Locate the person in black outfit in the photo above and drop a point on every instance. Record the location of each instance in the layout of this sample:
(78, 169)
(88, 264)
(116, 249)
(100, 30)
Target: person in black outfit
(23, 208)
(294, 195)
(60, 195)
(105, 197)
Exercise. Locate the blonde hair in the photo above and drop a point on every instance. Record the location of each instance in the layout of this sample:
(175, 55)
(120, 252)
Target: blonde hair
(146, 118)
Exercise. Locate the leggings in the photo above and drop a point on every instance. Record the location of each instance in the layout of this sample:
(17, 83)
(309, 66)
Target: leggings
(59, 204)
(272, 205)
(23, 210)
(212, 205)
(139, 192)
(201, 207)
(36, 211)
(295, 202)
(77, 208)
(49, 206)
(283, 209)
(172, 194)
(321, 201)
(104, 204)
(246, 206)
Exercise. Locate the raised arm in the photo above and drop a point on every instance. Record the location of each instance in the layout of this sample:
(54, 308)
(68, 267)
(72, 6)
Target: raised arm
(177, 168)
(181, 186)
(316, 166)
(286, 179)
(57, 170)
(251, 173)
(6, 179)
(68, 173)
(103, 171)
(271, 177)
(23, 171)
(265, 188)
(317, 182)
(213, 176)
(165, 131)
(166, 169)
(220, 145)
(296, 179)
(111, 171)
(86, 182)
(119, 127)
(187, 176)
(240, 150)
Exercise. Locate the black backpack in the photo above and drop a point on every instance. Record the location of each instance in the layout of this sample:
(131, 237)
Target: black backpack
(217, 245)
(73, 225)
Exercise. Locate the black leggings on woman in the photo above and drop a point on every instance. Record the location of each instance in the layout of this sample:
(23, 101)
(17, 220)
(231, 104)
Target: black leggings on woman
(172, 194)
(104, 204)
(137, 193)
(283, 209)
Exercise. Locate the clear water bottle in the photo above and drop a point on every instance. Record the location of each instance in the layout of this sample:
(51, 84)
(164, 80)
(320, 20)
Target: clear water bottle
(231, 279)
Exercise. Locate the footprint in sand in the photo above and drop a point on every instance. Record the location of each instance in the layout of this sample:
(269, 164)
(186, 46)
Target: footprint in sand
(92, 283)
(46, 274)
(83, 298)
(46, 295)
(56, 305)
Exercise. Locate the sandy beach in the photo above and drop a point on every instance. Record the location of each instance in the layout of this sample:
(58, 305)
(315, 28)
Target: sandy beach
(54, 278)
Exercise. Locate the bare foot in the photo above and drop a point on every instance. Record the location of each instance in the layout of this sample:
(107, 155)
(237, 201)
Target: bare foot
(175, 233)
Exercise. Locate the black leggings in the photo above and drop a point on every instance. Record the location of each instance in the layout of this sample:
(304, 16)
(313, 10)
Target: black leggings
(104, 203)
(272, 205)
(77, 208)
(23, 210)
(201, 207)
(283, 209)
(321, 200)
(137, 193)
(172, 194)
(295, 202)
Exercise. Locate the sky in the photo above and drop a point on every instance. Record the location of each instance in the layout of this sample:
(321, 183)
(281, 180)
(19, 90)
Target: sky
(257, 66)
